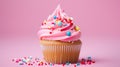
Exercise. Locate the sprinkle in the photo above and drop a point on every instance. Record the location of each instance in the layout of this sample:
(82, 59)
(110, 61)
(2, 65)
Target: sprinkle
(55, 17)
(21, 63)
(50, 32)
(17, 61)
(37, 59)
(78, 64)
(93, 61)
(74, 65)
(68, 33)
(65, 25)
(83, 61)
(30, 57)
(63, 64)
(14, 59)
(33, 62)
(50, 64)
(29, 64)
(25, 57)
(67, 63)
(59, 23)
(89, 58)
(28, 60)
(89, 63)
(53, 23)
(45, 63)
(40, 63)
(76, 28)
(71, 18)
(49, 27)
(42, 23)
(24, 60)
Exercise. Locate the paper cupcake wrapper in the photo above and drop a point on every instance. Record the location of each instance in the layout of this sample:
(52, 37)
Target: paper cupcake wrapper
(61, 53)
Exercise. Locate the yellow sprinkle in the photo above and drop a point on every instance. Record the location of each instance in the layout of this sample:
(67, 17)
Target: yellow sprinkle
(49, 27)
(57, 21)
(71, 18)
(77, 28)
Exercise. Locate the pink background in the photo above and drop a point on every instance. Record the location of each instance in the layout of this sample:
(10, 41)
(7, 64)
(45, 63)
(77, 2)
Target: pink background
(99, 21)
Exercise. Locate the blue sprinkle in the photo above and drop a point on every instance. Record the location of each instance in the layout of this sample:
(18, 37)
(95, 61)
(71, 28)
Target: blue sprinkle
(50, 64)
(30, 57)
(23, 60)
(78, 64)
(67, 63)
(21, 63)
(65, 24)
(89, 58)
(60, 23)
(55, 17)
(68, 33)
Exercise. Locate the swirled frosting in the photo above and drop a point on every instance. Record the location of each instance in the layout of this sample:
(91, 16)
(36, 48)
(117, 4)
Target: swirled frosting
(59, 26)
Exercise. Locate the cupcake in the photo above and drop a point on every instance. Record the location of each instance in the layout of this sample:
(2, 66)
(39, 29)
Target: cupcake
(59, 38)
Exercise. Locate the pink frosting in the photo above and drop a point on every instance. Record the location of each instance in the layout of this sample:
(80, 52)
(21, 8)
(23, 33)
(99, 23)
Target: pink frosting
(56, 27)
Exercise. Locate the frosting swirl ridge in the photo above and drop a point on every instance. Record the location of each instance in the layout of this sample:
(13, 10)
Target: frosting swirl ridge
(59, 26)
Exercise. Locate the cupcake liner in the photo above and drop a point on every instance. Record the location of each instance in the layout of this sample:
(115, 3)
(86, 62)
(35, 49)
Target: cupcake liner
(61, 53)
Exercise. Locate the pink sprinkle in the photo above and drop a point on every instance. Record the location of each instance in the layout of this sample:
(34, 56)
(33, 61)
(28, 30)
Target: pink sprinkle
(49, 63)
(74, 65)
(53, 23)
(33, 62)
(50, 32)
(13, 60)
(42, 23)
(41, 63)
(45, 63)
(29, 64)
(89, 63)
(82, 62)
(63, 64)
(17, 61)
(89, 60)
(25, 57)
(93, 61)
(72, 29)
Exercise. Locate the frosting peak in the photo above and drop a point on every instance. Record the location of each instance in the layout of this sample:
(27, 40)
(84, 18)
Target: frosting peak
(59, 26)
(58, 13)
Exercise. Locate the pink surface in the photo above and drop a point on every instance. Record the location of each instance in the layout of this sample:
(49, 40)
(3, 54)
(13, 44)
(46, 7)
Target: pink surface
(99, 22)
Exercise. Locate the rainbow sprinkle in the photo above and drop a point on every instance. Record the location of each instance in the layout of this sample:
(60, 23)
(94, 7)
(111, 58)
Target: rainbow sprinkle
(30, 61)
